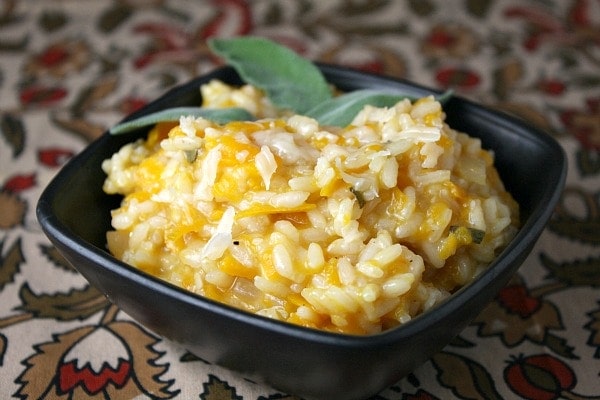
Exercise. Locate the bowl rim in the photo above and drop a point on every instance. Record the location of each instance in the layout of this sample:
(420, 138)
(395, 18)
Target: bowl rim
(523, 240)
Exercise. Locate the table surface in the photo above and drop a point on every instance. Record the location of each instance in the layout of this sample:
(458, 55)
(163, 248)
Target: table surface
(71, 68)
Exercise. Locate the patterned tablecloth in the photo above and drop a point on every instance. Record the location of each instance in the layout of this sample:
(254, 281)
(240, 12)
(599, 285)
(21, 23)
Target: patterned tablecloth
(71, 68)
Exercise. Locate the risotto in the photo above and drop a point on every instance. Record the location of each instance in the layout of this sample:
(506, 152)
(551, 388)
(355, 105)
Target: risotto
(352, 230)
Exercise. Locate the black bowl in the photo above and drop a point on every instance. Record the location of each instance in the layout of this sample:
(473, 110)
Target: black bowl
(75, 214)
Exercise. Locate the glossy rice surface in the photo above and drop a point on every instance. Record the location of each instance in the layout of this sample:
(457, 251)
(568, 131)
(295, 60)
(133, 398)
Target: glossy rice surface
(351, 230)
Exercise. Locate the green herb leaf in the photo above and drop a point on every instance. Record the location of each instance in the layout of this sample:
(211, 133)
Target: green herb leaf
(477, 235)
(445, 97)
(290, 81)
(341, 110)
(359, 197)
(218, 115)
(191, 155)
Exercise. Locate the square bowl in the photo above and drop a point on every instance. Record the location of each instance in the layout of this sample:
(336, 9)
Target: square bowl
(74, 212)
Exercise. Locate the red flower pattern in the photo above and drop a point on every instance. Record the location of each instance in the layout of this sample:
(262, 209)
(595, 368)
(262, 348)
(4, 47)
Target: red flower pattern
(173, 44)
(93, 382)
(584, 125)
(59, 59)
(529, 317)
(127, 369)
(19, 183)
(551, 87)
(43, 96)
(540, 377)
(574, 30)
(516, 299)
(54, 157)
(132, 103)
(462, 78)
(450, 40)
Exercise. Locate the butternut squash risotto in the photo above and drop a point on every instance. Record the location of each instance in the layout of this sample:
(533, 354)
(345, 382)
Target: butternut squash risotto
(352, 230)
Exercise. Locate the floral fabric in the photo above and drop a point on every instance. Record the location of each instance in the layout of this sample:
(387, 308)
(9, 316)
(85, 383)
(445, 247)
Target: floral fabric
(71, 68)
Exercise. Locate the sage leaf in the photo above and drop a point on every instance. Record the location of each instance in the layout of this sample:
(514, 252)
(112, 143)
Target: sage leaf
(218, 115)
(290, 81)
(341, 110)
(445, 97)
(477, 235)
(359, 197)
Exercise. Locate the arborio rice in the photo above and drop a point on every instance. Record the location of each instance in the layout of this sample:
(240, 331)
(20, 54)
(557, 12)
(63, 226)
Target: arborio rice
(351, 230)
